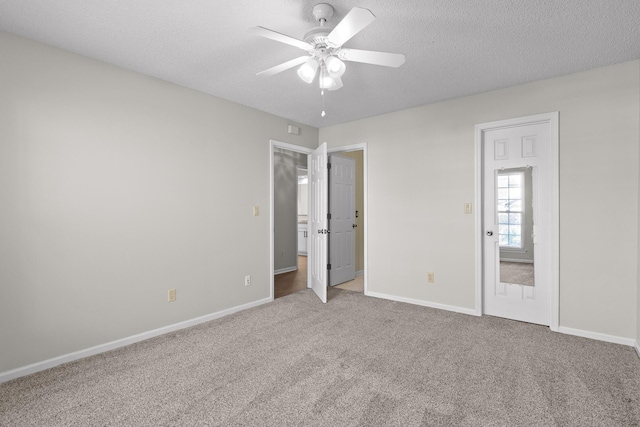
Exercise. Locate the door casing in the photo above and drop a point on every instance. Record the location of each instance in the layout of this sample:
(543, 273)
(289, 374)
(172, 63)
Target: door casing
(273, 144)
(553, 120)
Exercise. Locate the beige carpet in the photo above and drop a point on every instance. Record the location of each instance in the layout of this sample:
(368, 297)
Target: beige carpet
(356, 361)
(517, 273)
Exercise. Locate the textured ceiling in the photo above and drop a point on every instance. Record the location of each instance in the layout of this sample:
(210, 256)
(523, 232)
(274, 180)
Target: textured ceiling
(453, 48)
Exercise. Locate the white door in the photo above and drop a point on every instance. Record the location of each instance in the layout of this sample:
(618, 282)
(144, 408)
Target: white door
(507, 153)
(342, 200)
(318, 224)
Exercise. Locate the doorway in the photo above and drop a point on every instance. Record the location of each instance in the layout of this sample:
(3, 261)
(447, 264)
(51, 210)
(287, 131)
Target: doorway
(360, 282)
(517, 244)
(289, 212)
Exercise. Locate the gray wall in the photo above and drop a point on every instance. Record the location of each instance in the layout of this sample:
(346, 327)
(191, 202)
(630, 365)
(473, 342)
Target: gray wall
(114, 188)
(421, 170)
(285, 207)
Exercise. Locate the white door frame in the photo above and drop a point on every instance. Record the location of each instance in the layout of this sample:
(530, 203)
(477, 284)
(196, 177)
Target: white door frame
(554, 287)
(365, 183)
(273, 144)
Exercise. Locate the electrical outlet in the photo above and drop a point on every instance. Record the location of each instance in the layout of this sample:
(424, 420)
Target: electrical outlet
(468, 208)
(431, 277)
(171, 295)
(256, 211)
(247, 280)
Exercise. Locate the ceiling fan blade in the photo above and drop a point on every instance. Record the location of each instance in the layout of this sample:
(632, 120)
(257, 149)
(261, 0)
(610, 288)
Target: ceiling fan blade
(355, 21)
(282, 67)
(372, 57)
(282, 38)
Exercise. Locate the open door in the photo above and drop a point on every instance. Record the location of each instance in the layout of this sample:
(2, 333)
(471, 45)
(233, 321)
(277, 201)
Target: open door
(318, 223)
(342, 198)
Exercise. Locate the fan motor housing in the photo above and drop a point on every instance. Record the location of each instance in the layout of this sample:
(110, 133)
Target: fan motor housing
(317, 36)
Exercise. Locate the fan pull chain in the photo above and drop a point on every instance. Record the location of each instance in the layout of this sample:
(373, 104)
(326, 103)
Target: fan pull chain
(323, 112)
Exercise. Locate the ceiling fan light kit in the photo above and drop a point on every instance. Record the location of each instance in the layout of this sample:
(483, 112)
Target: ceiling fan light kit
(325, 54)
(307, 72)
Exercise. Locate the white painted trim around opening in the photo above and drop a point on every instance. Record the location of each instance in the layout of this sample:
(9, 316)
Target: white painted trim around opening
(553, 120)
(101, 348)
(637, 347)
(365, 184)
(273, 144)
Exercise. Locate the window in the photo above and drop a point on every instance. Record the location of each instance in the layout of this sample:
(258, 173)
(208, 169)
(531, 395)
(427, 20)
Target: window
(510, 209)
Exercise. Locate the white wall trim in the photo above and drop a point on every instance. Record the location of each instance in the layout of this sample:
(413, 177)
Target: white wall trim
(553, 120)
(359, 273)
(522, 261)
(285, 270)
(598, 336)
(637, 347)
(456, 309)
(101, 348)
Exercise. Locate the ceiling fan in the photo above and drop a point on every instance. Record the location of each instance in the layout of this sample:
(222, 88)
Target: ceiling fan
(325, 54)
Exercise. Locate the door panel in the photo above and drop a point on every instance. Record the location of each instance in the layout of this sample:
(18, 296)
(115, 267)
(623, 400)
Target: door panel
(317, 222)
(506, 152)
(342, 199)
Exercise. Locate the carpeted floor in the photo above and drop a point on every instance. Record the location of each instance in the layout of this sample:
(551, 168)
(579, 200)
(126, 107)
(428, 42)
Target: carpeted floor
(355, 361)
(517, 273)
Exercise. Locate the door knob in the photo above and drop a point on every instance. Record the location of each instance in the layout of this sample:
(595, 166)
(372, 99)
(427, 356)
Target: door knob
(489, 233)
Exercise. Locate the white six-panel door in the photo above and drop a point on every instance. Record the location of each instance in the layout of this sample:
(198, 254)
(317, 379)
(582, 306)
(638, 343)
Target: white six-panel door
(318, 223)
(519, 146)
(342, 245)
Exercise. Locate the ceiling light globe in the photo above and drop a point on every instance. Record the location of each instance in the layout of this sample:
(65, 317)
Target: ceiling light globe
(327, 82)
(307, 72)
(335, 67)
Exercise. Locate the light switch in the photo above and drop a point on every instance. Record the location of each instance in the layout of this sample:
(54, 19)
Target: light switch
(256, 211)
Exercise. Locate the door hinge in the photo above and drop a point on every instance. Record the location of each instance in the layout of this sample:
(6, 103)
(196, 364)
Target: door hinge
(328, 216)
(328, 165)
(328, 266)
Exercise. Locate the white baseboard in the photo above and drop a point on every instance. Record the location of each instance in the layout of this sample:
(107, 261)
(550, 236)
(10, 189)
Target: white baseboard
(637, 347)
(453, 308)
(285, 270)
(50, 363)
(598, 336)
(523, 261)
(360, 273)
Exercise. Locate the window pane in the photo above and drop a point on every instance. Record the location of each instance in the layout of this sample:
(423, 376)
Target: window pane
(515, 180)
(516, 205)
(510, 193)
